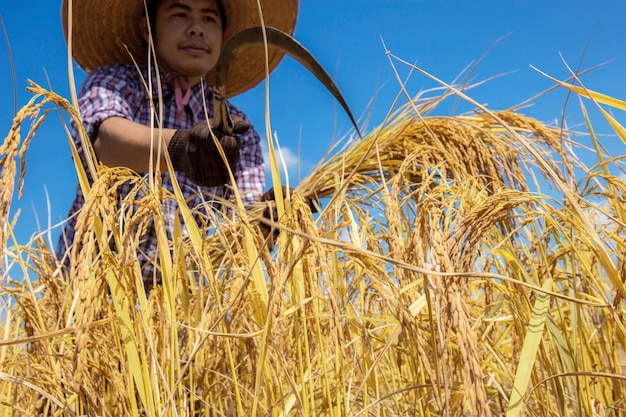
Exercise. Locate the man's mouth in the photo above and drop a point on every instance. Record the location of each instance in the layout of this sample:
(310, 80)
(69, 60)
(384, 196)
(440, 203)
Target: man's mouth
(195, 47)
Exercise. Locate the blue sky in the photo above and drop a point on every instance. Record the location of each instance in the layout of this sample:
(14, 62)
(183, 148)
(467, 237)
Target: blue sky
(347, 37)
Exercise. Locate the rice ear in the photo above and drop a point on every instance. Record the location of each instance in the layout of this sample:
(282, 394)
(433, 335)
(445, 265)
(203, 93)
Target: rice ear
(413, 291)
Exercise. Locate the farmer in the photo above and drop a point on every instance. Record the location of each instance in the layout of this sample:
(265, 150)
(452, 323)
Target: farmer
(110, 38)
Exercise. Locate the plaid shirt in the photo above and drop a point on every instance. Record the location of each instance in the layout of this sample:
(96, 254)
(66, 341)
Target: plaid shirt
(119, 91)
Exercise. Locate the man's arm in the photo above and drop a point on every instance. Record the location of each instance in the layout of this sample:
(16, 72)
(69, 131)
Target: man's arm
(122, 142)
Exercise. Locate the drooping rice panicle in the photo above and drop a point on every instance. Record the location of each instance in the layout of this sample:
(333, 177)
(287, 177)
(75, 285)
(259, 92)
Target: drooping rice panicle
(436, 280)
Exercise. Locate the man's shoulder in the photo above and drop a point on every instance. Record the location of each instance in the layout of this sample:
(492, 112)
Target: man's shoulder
(118, 74)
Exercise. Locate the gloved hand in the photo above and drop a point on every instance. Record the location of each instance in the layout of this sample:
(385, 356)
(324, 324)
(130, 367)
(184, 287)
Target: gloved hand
(193, 151)
(271, 212)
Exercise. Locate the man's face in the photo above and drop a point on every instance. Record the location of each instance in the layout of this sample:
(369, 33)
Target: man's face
(188, 36)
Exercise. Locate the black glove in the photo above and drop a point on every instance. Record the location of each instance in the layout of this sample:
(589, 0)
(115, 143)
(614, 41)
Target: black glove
(271, 212)
(193, 151)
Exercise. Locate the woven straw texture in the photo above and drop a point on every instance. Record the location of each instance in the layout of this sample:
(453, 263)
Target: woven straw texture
(106, 32)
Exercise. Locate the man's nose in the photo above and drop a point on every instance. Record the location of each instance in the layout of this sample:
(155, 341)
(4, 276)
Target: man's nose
(195, 28)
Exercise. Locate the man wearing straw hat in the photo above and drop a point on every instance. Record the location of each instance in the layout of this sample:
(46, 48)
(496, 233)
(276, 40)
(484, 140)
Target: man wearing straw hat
(120, 111)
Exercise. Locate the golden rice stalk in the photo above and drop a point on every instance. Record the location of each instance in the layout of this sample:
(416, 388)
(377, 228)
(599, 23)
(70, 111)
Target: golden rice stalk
(413, 292)
(10, 149)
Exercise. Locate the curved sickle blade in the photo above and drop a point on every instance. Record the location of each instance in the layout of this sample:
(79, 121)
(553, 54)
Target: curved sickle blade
(277, 39)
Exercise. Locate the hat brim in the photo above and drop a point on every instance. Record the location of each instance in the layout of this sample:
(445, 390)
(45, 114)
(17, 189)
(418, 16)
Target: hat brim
(107, 32)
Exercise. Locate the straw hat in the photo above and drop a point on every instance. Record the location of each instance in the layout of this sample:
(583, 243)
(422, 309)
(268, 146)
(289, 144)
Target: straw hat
(104, 29)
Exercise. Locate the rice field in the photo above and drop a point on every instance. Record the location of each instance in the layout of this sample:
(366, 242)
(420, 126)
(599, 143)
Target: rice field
(464, 265)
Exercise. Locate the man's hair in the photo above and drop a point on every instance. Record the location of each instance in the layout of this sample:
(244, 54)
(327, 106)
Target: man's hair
(153, 5)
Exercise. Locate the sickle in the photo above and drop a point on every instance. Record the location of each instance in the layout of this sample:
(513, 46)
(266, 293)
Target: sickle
(278, 39)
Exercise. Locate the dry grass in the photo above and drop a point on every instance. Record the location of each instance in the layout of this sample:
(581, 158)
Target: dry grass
(437, 280)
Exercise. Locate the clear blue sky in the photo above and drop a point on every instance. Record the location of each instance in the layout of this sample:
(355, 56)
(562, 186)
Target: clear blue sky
(441, 37)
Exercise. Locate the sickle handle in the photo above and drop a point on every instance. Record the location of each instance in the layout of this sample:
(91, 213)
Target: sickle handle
(221, 117)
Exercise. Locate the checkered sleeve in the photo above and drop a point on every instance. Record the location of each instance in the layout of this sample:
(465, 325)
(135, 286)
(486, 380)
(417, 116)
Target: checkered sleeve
(251, 171)
(105, 93)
